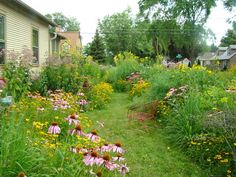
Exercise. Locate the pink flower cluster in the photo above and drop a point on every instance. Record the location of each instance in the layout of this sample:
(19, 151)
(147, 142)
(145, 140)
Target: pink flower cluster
(54, 128)
(82, 102)
(73, 118)
(178, 92)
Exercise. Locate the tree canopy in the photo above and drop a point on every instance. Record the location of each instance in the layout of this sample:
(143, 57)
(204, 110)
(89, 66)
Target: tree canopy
(230, 37)
(117, 32)
(65, 23)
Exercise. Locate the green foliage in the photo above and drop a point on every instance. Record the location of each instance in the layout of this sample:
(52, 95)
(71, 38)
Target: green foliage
(100, 95)
(126, 64)
(177, 25)
(200, 119)
(96, 49)
(116, 31)
(17, 73)
(65, 77)
(230, 37)
(65, 23)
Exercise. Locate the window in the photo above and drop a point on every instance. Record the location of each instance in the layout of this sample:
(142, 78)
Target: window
(2, 39)
(35, 46)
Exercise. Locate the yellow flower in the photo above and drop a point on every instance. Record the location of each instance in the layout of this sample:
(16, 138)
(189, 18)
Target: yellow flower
(27, 120)
(218, 157)
(224, 161)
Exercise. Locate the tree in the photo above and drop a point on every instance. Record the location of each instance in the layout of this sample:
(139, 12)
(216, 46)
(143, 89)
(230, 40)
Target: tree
(96, 48)
(177, 24)
(116, 31)
(66, 23)
(230, 37)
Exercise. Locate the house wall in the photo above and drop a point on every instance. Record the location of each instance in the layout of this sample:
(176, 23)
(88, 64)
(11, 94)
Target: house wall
(74, 40)
(18, 29)
(232, 61)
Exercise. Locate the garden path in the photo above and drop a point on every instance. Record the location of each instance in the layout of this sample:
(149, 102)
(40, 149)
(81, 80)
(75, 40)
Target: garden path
(148, 152)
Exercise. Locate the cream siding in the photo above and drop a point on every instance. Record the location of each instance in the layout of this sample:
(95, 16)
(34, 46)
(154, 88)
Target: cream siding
(19, 32)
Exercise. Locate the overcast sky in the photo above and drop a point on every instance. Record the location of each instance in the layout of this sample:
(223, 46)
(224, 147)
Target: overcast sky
(89, 11)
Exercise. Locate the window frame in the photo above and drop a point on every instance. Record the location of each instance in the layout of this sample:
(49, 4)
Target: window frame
(35, 48)
(4, 39)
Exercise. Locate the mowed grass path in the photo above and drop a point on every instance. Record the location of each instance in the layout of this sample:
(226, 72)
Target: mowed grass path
(148, 153)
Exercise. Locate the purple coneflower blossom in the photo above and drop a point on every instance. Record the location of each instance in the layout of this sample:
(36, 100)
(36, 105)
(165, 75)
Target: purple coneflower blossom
(93, 136)
(110, 166)
(54, 128)
(83, 102)
(123, 169)
(98, 174)
(105, 148)
(77, 130)
(91, 159)
(21, 174)
(72, 119)
(117, 148)
(118, 158)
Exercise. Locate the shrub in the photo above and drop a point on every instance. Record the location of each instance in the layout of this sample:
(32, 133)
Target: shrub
(100, 95)
(17, 73)
(138, 88)
(64, 77)
(126, 64)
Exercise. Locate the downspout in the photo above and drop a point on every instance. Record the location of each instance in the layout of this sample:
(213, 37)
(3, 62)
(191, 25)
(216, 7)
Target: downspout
(51, 39)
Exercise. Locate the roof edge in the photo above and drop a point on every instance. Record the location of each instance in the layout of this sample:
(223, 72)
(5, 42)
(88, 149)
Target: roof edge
(25, 6)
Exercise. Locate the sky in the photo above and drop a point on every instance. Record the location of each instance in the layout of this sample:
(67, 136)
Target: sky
(88, 12)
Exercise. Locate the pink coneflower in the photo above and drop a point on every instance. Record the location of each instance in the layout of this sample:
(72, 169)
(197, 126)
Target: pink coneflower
(21, 174)
(83, 102)
(77, 130)
(80, 94)
(72, 119)
(98, 174)
(117, 148)
(91, 159)
(54, 128)
(118, 158)
(93, 136)
(105, 160)
(123, 169)
(105, 148)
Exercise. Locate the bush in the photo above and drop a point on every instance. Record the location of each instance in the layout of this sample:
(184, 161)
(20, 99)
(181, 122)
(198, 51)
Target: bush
(17, 73)
(125, 65)
(100, 95)
(64, 77)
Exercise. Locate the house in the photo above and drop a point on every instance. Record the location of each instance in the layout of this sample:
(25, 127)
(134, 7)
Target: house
(224, 57)
(73, 39)
(22, 26)
(228, 58)
(207, 59)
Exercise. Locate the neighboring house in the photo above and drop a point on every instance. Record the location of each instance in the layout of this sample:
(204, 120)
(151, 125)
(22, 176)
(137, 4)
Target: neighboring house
(224, 57)
(73, 39)
(207, 58)
(22, 26)
(228, 58)
(54, 45)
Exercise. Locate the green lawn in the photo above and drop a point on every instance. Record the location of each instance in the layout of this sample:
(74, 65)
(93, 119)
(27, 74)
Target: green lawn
(148, 153)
